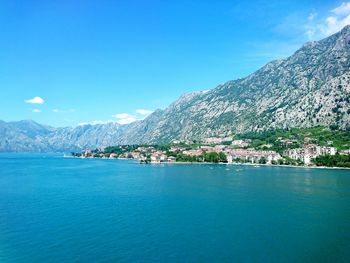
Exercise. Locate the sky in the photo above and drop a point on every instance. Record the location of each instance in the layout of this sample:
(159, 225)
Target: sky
(68, 63)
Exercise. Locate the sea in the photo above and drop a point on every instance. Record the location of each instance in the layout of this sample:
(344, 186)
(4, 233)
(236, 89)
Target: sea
(55, 209)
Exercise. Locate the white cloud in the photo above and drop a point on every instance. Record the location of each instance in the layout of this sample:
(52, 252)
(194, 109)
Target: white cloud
(36, 110)
(343, 9)
(83, 123)
(334, 24)
(122, 115)
(35, 100)
(338, 18)
(55, 110)
(124, 118)
(127, 120)
(144, 112)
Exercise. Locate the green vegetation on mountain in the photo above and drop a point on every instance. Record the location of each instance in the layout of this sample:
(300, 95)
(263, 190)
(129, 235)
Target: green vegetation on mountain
(322, 136)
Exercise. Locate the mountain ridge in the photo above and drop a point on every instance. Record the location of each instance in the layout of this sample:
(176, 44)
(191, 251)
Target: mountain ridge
(309, 88)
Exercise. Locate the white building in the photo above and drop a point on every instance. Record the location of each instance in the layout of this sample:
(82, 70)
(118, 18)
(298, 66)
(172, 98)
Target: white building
(240, 143)
(307, 159)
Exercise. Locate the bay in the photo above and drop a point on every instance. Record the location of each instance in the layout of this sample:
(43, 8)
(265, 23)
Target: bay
(55, 209)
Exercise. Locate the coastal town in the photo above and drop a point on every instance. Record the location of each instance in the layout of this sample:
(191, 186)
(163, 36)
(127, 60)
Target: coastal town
(282, 151)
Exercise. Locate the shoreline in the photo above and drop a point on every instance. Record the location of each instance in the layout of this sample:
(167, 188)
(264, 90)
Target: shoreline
(262, 165)
(206, 163)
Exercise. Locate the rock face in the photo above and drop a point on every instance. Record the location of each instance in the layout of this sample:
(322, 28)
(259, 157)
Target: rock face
(24, 136)
(85, 137)
(310, 88)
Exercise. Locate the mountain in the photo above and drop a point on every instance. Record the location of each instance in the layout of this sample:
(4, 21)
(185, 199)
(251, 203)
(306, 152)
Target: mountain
(85, 136)
(23, 136)
(309, 88)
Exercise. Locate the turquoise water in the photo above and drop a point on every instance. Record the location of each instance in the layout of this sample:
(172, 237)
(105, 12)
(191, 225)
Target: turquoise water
(74, 210)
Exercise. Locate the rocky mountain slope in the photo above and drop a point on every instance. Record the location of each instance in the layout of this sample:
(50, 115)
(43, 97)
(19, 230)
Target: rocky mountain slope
(310, 88)
(27, 135)
(23, 136)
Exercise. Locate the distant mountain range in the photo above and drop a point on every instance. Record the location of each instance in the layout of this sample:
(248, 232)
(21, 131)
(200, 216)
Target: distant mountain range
(27, 135)
(310, 88)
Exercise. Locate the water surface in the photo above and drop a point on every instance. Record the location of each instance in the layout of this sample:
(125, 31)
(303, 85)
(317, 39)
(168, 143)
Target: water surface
(55, 209)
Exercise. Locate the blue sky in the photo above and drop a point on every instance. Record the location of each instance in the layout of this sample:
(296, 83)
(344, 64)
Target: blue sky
(70, 62)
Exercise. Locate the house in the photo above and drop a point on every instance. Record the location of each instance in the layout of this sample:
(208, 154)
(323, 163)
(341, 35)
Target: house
(176, 149)
(295, 154)
(155, 159)
(308, 139)
(87, 153)
(219, 148)
(240, 143)
(307, 159)
(273, 157)
(268, 146)
(197, 152)
(163, 158)
(135, 155)
(345, 152)
(312, 149)
(253, 156)
(328, 150)
(171, 159)
(113, 155)
(207, 148)
(289, 142)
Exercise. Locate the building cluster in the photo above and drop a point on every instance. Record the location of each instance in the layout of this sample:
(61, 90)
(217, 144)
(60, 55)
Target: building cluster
(232, 153)
(160, 157)
(308, 152)
(237, 151)
(241, 143)
(253, 156)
